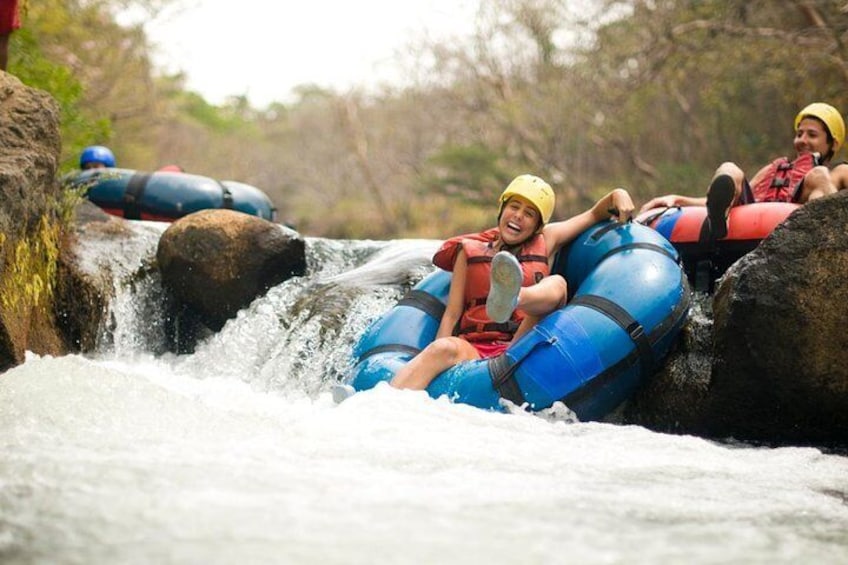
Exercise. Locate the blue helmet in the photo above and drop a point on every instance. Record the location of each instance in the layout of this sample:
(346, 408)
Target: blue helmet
(97, 154)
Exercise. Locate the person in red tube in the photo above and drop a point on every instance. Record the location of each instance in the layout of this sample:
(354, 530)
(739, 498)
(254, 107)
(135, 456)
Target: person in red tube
(501, 284)
(819, 134)
(10, 20)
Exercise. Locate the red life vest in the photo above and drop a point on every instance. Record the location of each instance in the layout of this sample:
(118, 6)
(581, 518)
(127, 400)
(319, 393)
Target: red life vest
(446, 255)
(475, 325)
(783, 181)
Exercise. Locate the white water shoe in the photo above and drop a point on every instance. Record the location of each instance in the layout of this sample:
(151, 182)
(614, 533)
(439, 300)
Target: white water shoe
(504, 287)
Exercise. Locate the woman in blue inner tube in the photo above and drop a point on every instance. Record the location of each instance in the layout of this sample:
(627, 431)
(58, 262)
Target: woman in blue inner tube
(501, 284)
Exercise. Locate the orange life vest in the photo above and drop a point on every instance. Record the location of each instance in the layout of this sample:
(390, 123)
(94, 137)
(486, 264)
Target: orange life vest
(475, 325)
(783, 181)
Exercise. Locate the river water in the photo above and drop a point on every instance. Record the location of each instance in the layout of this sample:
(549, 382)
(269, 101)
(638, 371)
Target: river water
(237, 453)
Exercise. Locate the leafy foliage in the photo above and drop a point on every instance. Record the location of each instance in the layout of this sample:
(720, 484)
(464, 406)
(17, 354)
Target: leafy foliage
(646, 94)
(34, 68)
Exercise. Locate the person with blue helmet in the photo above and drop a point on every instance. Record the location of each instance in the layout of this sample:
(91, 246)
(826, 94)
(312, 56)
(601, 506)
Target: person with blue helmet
(96, 157)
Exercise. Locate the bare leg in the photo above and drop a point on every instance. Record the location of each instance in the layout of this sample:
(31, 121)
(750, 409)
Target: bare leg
(544, 297)
(725, 189)
(733, 171)
(817, 183)
(539, 300)
(536, 301)
(440, 355)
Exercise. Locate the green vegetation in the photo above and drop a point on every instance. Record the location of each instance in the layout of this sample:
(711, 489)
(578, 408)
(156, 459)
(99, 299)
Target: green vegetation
(31, 268)
(30, 258)
(33, 68)
(644, 94)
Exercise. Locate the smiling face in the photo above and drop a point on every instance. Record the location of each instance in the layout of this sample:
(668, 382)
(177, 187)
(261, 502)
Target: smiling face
(811, 137)
(519, 220)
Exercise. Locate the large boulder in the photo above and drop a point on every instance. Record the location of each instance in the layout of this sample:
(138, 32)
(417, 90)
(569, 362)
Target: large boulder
(780, 369)
(765, 360)
(29, 154)
(218, 261)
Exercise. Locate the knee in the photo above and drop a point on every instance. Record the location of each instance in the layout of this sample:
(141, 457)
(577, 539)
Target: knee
(732, 170)
(547, 296)
(560, 289)
(817, 183)
(818, 176)
(445, 348)
(729, 168)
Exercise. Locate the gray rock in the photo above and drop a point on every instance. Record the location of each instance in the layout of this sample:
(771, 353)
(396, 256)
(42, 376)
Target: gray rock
(218, 261)
(780, 358)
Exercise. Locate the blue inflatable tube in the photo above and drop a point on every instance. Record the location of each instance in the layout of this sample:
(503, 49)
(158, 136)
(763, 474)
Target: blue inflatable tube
(167, 196)
(631, 301)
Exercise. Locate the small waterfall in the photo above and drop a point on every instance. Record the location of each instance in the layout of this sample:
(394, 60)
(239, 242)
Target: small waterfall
(299, 336)
(296, 338)
(138, 319)
(137, 316)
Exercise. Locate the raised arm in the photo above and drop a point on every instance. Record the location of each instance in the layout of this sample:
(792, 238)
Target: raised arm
(616, 204)
(672, 200)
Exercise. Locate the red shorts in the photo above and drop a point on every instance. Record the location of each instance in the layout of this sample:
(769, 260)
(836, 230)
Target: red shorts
(9, 18)
(488, 349)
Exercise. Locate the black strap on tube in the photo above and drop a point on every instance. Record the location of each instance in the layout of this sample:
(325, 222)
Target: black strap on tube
(133, 195)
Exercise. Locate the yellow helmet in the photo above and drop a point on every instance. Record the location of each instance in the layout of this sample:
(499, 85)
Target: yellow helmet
(534, 189)
(830, 116)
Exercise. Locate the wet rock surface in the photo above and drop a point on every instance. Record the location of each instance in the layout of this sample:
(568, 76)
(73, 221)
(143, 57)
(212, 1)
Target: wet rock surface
(218, 261)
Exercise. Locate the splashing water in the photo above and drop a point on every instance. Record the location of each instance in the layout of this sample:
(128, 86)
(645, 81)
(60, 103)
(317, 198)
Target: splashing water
(236, 453)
